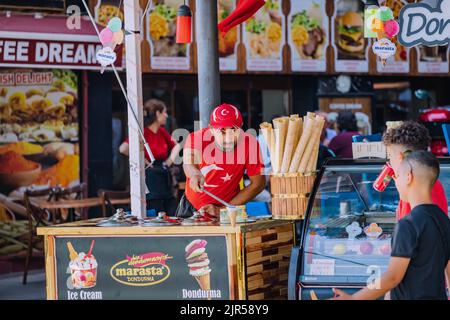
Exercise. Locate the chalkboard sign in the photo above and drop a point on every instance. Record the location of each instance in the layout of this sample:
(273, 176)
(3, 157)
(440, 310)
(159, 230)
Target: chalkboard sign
(172, 267)
(54, 5)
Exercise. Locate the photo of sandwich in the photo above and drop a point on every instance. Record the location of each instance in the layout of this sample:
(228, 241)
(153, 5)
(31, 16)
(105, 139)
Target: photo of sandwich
(44, 113)
(264, 31)
(227, 42)
(106, 11)
(433, 54)
(307, 32)
(162, 29)
(350, 36)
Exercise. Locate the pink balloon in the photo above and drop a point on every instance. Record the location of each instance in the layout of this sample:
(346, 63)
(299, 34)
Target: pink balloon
(106, 36)
(391, 28)
(117, 37)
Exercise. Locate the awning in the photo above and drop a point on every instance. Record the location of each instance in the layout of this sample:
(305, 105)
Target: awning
(48, 42)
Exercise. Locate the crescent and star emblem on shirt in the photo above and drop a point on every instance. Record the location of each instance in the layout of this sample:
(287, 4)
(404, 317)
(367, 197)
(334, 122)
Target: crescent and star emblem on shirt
(227, 177)
(207, 169)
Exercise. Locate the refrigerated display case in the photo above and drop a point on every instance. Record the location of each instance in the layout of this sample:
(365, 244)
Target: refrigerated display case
(346, 236)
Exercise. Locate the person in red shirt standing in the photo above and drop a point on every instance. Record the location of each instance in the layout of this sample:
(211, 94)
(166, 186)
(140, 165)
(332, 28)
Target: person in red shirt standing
(216, 158)
(408, 137)
(157, 177)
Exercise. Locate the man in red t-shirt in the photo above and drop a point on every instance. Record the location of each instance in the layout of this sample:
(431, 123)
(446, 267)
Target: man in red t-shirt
(216, 159)
(411, 136)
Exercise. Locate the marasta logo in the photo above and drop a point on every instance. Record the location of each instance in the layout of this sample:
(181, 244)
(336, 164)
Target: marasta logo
(422, 24)
(142, 270)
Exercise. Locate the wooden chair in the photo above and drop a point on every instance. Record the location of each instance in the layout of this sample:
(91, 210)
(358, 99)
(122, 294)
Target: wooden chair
(110, 198)
(77, 192)
(37, 217)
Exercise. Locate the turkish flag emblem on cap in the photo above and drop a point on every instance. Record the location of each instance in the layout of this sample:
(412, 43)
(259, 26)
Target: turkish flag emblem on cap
(225, 116)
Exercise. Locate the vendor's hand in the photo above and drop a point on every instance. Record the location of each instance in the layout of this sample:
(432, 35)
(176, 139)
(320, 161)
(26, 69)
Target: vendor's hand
(196, 182)
(211, 209)
(148, 164)
(168, 163)
(341, 295)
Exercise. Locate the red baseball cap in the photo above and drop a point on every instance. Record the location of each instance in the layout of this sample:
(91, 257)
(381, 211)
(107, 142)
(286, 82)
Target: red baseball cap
(225, 116)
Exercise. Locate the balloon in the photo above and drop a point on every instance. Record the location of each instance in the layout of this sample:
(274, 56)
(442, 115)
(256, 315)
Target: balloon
(115, 24)
(377, 25)
(391, 28)
(385, 14)
(117, 37)
(106, 36)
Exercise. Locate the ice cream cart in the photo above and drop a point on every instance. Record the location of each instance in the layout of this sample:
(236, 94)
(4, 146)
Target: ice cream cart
(154, 260)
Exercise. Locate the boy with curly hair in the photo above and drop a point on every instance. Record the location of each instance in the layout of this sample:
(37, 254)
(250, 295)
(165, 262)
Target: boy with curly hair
(400, 141)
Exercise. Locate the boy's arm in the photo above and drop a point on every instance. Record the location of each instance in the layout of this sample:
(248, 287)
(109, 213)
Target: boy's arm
(389, 280)
(447, 273)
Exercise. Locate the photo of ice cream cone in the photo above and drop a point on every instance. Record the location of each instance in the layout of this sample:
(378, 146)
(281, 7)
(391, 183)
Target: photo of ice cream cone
(198, 263)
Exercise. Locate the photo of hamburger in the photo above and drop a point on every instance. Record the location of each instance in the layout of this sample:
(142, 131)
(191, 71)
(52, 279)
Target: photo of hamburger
(264, 32)
(350, 36)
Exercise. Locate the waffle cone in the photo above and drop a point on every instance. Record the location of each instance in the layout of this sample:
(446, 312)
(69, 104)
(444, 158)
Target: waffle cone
(204, 282)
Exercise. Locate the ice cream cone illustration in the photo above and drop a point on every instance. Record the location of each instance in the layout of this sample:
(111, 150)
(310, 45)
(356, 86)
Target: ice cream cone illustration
(72, 253)
(204, 282)
(83, 268)
(198, 263)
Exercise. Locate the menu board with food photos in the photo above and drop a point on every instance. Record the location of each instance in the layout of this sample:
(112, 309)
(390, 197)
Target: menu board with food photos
(228, 43)
(264, 38)
(400, 62)
(308, 35)
(350, 47)
(38, 129)
(104, 11)
(161, 23)
(432, 59)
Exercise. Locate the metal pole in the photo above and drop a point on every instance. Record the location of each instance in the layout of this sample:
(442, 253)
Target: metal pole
(207, 57)
(134, 90)
(134, 83)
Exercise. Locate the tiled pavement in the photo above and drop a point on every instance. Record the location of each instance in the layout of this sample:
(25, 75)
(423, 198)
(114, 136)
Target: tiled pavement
(11, 287)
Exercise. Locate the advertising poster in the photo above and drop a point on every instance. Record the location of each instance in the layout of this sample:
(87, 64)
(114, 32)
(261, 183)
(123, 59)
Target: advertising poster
(308, 35)
(104, 11)
(153, 268)
(400, 62)
(228, 43)
(165, 53)
(38, 129)
(432, 59)
(350, 47)
(264, 38)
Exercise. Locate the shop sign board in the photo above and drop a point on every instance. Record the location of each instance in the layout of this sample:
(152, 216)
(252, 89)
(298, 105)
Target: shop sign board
(142, 267)
(421, 24)
(45, 53)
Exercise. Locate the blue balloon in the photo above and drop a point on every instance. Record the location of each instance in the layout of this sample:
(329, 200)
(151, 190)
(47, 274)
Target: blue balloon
(115, 24)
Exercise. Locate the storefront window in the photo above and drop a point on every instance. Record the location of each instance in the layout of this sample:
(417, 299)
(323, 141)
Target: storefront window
(350, 229)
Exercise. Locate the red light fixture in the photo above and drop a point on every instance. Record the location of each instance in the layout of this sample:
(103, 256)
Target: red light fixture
(184, 18)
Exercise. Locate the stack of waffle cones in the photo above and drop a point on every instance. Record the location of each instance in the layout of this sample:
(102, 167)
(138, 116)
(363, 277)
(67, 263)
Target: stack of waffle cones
(293, 142)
